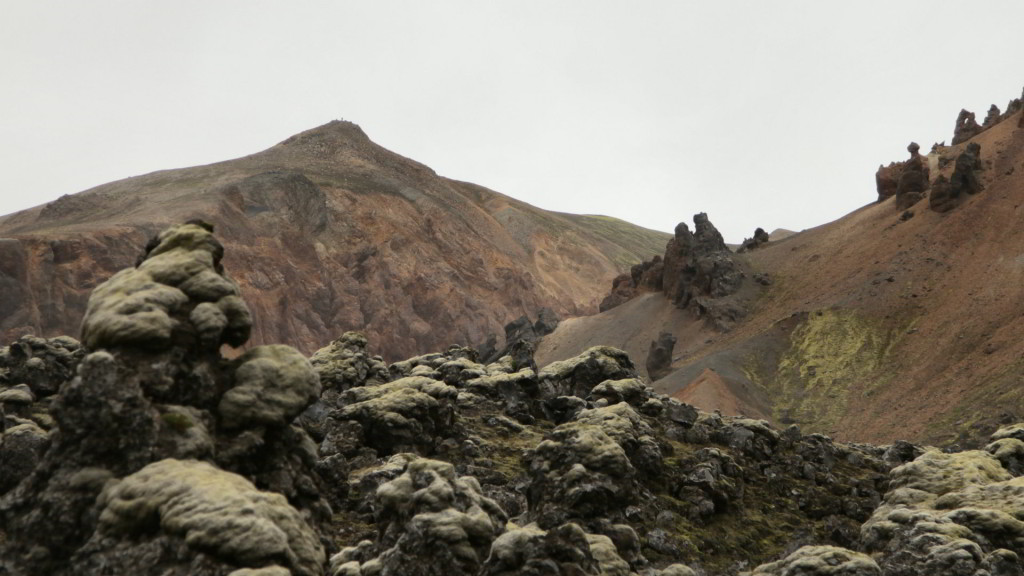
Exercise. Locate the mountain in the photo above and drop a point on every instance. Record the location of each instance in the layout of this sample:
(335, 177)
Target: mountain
(143, 449)
(326, 232)
(902, 319)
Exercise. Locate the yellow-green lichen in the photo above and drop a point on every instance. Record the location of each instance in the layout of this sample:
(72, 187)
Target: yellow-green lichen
(832, 354)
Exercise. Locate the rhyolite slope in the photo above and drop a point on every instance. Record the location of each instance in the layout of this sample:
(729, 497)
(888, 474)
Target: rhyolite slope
(887, 323)
(326, 232)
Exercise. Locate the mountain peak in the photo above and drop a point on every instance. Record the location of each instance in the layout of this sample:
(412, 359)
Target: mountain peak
(333, 135)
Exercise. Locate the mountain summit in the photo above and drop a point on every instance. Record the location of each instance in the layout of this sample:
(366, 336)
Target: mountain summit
(326, 232)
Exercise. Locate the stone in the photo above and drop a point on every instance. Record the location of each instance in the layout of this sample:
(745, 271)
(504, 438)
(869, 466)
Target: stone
(759, 239)
(577, 376)
(432, 520)
(947, 513)
(659, 357)
(272, 385)
(151, 386)
(409, 412)
(21, 449)
(820, 561)
(145, 306)
(914, 179)
(965, 171)
(887, 180)
(564, 551)
(966, 127)
(214, 510)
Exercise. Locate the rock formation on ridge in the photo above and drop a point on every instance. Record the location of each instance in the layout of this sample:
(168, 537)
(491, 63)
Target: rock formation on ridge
(698, 272)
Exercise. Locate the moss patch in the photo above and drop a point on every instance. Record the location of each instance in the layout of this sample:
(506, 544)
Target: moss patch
(832, 354)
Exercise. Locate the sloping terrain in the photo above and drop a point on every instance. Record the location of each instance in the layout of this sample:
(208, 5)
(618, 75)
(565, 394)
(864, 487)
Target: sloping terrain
(143, 450)
(326, 232)
(874, 327)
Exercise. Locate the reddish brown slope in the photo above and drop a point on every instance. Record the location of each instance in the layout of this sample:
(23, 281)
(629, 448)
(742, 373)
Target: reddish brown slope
(326, 232)
(875, 329)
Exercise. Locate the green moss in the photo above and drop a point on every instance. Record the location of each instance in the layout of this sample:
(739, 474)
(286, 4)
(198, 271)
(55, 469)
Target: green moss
(177, 422)
(832, 354)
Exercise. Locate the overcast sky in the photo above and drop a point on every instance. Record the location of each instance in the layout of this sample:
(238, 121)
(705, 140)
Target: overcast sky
(772, 114)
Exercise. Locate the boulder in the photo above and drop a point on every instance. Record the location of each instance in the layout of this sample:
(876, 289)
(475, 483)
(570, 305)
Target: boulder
(759, 239)
(659, 357)
(820, 561)
(955, 513)
(433, 521)
(210, 510)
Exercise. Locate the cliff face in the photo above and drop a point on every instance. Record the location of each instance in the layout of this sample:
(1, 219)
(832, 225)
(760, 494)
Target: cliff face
(326, 232)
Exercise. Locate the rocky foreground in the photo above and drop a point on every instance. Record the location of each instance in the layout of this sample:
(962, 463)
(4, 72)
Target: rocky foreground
(143, 450)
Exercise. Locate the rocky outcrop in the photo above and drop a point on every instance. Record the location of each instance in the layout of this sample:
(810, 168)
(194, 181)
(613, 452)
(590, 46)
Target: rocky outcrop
(522, 330)
(643, 277)
(820, 561)
(966, 127)
(914, 181)
(908, 181)
(659, 358)
(698, 272)
(177, 447)
(887, 180)
(965, 181)
(759, 239)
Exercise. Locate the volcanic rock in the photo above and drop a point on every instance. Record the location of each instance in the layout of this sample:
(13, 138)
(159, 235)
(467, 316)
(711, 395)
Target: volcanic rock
(965, 180)
(698, 272)
(992, 117)
(760, 239)
(913, 181)
(522, 330)
(820, 561)
(659, 359)
(949, 514)
(154, 405)
(966, 127)
(887, 180)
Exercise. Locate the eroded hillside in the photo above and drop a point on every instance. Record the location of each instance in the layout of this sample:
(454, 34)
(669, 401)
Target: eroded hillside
(142, 450)
(326, 231)
(891, 322)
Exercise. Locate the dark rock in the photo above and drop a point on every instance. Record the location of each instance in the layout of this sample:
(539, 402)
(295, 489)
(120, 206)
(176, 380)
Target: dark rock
(523, 330)
(760, 239)
(546, 322)
(623, 290)
(966, 170)
(942, 197)
(913, 181)
(992, 118)
(966, 127)
(659, 358)
(156, 400)
(965, 180)
(432, 522)
(887, 180)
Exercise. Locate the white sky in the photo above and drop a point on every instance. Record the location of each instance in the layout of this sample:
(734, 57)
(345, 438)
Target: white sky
(772, 114)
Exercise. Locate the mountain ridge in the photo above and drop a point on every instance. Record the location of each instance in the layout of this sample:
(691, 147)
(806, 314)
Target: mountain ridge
(381, 243)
